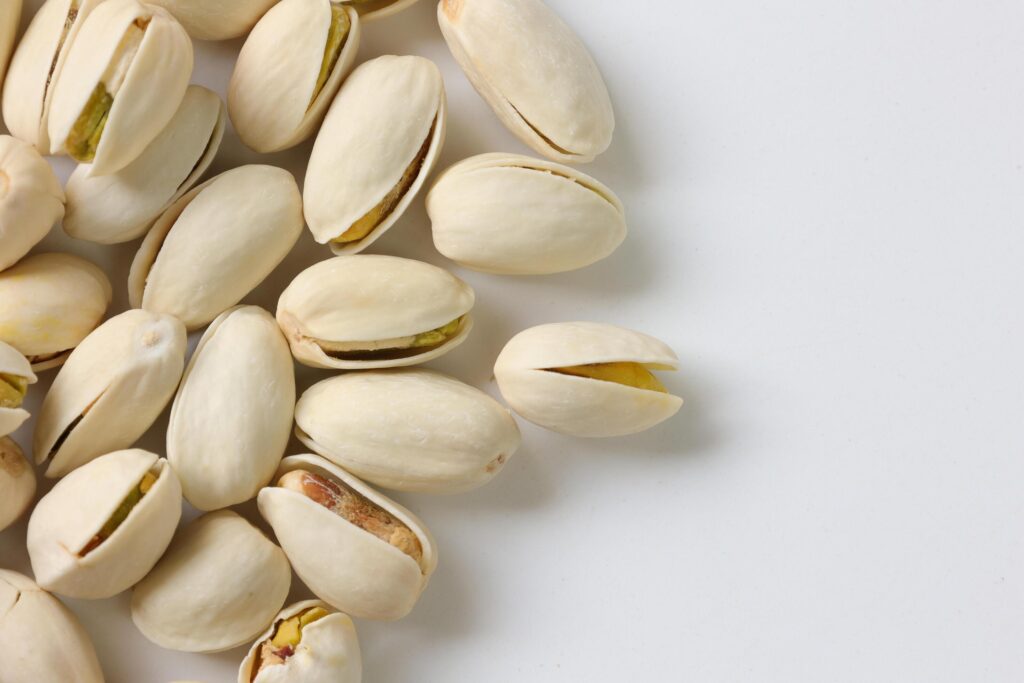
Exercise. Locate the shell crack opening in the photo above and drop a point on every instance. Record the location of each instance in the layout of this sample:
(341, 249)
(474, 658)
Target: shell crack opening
(64, 435)
(130, 502)
(393, 349)
(285, 639)
(337, 37)
(629, 374)
(548, 141)
(12, 390)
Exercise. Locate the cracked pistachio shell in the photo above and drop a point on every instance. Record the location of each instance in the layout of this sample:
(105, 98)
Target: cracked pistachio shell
(31, 199)
(17, 482)
(49, 303)
(216, 244)
(272, 97)
(15, 365)
(367, 298)
(216, 19)
(219, 586)
(42, 639)
(232, 416)
(408, 430)
(112, 389)
(510, 214)
(581, 406)
(388, 118)
(147, 80)
(122, 206)
(72, 514)
(327, 653)
(534, 72)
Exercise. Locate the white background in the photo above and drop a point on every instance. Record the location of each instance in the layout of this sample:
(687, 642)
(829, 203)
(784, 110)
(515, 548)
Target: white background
(826, 202)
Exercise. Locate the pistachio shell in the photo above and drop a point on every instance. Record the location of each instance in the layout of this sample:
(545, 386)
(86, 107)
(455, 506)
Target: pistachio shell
(17, 482)
(219, 586)
(68, 519)
(366, 299)
(216, 244)
(534, 72)
(10, 15)
(579, 405)
(216, 19)
(31, 199)
(122, 206)
(112, 389)
(370, 10)
(13, 364)
(388, 117)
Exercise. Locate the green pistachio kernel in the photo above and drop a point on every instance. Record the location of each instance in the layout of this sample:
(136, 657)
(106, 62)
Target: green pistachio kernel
(85, 135)
(121, 513)
(337, 36)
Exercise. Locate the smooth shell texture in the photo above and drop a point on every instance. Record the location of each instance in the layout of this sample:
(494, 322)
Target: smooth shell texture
(344, 565)
(367, 298)
(233, 413)
(10, 14)
(513, 215)
(219, 586)
(17, 482)
(534, 72)
(49, 303)
(216, 244)
(270, 97)
(577, 405)
(378, 9)
(112, 389)
(122, 206)
(409, 430)
(73, 512)
(31, 199)
(375, 128)
(14, 364)
(216, 19)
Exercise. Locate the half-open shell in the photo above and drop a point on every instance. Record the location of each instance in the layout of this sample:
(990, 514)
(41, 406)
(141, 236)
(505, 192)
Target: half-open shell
(15, 376)
(31, 199)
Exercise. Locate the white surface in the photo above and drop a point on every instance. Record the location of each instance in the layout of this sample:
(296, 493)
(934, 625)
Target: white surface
(826, 207)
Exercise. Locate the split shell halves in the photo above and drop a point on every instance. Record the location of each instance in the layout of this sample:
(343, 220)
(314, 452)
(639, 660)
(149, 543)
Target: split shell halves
(15, 376)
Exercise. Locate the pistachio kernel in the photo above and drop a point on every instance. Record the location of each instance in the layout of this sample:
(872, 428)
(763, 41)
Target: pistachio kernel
(399, 347)
(286, 637)
(85, 136)
(629, 374)
(12, 390)
(121, 513)
(337, 36)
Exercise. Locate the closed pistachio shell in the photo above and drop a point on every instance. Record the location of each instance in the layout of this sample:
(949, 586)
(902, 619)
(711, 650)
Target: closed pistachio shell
(380, 140)
(534, 72)
(31, 199)
(366, 312)
(15, 376)
(219, 586)
(10, 14)
(103, 527)
(289, 71)
(17, 482)
(216, 244)
(48, 304)
(122, 206)
(377, 9)
(112, 389)
(587, 379)
(216, 19)
(408, 430)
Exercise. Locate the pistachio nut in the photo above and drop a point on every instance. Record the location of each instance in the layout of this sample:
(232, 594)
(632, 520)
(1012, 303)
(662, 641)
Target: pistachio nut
(17, 482)
(232, 416)
(409, 430)
(103, 527)
(48, 304)
(112, 389)
(289, 71)
(15, 376)
(587, 379)
(216, 244)
(380, 140)
(216, 19)
(219, 586)
(309, 642)
(377, 9)
(124, 77)
(534, 72)
(43, 640)
(10, 15)
(365, 312)
(31, 199)
(122, 206)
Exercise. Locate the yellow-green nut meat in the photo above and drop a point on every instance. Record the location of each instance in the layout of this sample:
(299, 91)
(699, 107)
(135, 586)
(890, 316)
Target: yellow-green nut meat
(17, 482)
(216, 19)
(31, 199)
(15, 376)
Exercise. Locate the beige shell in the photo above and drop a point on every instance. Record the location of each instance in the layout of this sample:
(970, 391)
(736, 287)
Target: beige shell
(216, 19)
(122, 206)
(43, 640)
(31, 199)
(112, 389)
(578, 405)
(364, 299)
(271, 94)
(232, 416)
(148, 85)
(344, 565)
(388, 110)
(48, 304)
(510, 214)
(216, 244)
(10, 15)
(534, 72)
(67, 519)
(219, 586)
(17, 482)
(408, 430)
(370, 10)
(14, 364)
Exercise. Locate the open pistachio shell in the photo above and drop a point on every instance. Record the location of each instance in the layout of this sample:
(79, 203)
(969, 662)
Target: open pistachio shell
(365, 312)
(289, 71)
(380, 140)
(216, 19)
(10, 15)
(103, 527)
(122, 206)
(31, 199)
(534, 72)
(123, 79)
(48, 304)
(370, 10)
(15, 376)
(219, 586)
(112, 389)
(587, 379)
(17, 482)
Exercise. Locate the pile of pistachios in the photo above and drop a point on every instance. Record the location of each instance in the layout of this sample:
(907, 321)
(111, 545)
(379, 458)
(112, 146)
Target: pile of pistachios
(106, 82)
